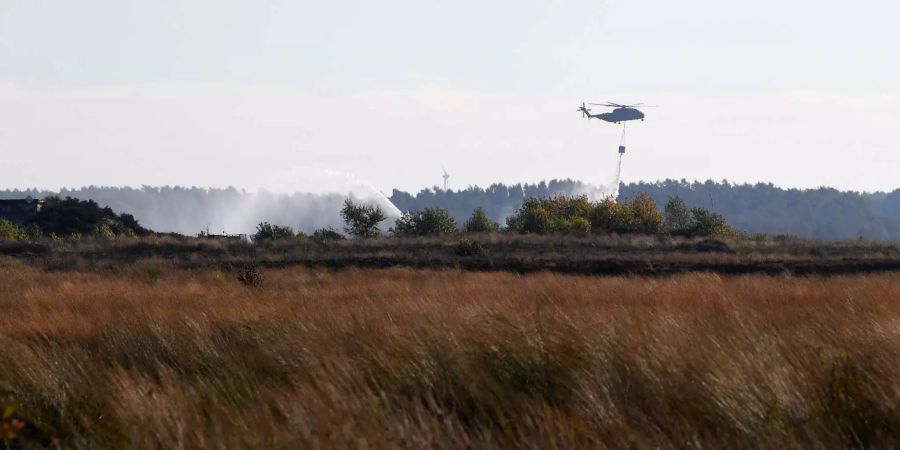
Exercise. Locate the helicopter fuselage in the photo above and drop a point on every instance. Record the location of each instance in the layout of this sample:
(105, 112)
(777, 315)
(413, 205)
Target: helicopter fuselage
(620, 115)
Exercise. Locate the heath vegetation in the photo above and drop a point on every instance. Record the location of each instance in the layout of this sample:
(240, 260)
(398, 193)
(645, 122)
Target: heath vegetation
(153, 356)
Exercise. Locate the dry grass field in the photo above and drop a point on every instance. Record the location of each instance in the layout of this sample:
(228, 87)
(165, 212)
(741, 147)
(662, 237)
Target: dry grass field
(154, 356)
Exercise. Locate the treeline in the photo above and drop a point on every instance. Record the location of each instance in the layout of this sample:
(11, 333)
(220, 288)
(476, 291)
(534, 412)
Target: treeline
(824, 213)
(560, 214)
(71, 219)
(498, 200)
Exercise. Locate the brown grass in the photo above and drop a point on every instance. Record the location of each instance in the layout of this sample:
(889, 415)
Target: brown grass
(159, 357)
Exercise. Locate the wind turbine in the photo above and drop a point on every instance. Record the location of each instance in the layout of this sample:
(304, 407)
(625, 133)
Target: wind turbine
(446, 177)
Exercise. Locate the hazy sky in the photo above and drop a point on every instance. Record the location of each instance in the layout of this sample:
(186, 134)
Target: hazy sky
(236, 92)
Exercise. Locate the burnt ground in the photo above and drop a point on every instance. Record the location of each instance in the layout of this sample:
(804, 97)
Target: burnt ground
(589, 255)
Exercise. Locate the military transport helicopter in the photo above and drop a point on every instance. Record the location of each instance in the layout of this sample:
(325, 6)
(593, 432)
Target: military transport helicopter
(621, 113)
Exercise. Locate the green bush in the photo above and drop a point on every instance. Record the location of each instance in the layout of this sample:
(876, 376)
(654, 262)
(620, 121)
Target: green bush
(327, 234)
(608, 216)
(643, 216)
(480, 223)
(32, 232)
(428, 222)
(696, 222)
(68, 216)
(560, 214)
(470, 247)
(104, 232)
(265, 231)
(709, 224)
(532, 218)
(251, 276)
(362, 220)
(577, 225)
(677, 217)
(578, 215)
(9, 231)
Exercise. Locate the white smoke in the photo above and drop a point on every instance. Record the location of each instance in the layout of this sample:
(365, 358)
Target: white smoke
(302, 211)
(613, 189)
(303, 198)
(608, 186)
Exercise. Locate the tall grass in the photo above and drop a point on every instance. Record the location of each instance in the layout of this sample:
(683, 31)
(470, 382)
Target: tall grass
(158, 357)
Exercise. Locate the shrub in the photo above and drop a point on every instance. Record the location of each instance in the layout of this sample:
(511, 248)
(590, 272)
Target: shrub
(361, 219)
(428, 222)
(550, 215)
(531, 218)
(327, 234)
(564, 214)
(9, 231)
(709, 224)
(608, 216)
(71, 215)
(470, 247)
(251, 276)
(638, 215)
(643, 217)
(129, 222)
(265, 231)
(32, 232)
(677, 217)
(104, 231)
(480, 223)
(577, 225)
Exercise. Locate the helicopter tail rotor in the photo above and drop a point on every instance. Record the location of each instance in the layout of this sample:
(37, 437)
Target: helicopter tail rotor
(584, 110)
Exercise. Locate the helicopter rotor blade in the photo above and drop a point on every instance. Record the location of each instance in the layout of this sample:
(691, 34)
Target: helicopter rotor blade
(617, 105)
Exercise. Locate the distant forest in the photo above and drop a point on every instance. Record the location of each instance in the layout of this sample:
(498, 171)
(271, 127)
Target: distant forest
(823, 213)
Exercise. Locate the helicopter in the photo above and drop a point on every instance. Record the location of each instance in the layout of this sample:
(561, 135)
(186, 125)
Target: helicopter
(621, 113)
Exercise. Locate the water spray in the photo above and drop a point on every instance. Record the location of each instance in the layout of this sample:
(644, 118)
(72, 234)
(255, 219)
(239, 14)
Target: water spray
(618, 179)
